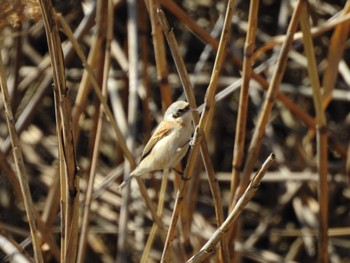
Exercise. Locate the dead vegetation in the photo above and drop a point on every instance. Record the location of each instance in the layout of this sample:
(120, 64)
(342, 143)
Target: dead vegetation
(84, 83)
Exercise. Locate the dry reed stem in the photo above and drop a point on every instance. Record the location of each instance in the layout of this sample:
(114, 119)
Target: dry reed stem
(271, 95)
(160, 208)
(248, 194)
(315, 31)
(97, 90)
(68, 173)
(84, 86)
(20, 167)
(238, 152)
(132, 38)
(159, 54)
(52, 203)
(145, 76)
(112, 120)
(63, 186)
(180, 65)
(322, 142)
(203, 35)
(106, 25)
(42, 69)
(13, 250)
(335, 53)
(43, 227)
(334, 56)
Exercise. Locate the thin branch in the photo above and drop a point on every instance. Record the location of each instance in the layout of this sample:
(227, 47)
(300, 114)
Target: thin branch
(269, 102)
(209, 101)
(252, 188)
(106, 26)
(238, 152)
(65, 135)
(20, 167)
(322, 141)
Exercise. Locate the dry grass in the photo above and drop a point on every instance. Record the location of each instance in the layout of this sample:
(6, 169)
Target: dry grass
(83, 85)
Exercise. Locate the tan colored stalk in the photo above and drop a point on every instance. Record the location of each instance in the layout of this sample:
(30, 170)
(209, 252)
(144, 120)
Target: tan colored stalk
(97, 89)
(248, 194)
(214, 186)
(132, 37)
(238, 149)
(154, 229)
(43, 228)
(20, 167)
(68, 171)
(159, 54)
(205, 36)
(209, 101)
(111, 119)
(322, 142)
(269, 102)
(180, 65)
(335, 53)
(315, 32)
(106, 25)
(84, 86)
(43, 69)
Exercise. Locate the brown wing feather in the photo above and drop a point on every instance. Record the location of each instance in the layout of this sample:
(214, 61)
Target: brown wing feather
(162, 130)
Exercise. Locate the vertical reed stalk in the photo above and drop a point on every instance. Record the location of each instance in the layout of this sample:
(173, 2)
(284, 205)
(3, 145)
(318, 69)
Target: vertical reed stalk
(20, 168)
(321, 138)
(68, 168)
(269, 102)
(209, 101)
(238, 150)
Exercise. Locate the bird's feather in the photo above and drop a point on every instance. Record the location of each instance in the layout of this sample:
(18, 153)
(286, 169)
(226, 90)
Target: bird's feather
(161, 132)
(126, 181)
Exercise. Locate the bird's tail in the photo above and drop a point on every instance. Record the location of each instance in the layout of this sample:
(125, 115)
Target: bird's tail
(126, 181)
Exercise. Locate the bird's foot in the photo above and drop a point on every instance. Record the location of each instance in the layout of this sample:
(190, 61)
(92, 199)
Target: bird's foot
(191, 142)
(182, 174)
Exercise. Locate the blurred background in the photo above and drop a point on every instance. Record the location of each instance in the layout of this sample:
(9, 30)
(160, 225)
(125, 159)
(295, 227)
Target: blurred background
(281, 222)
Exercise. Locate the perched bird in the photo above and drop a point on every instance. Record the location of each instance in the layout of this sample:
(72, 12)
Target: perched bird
(169, 142)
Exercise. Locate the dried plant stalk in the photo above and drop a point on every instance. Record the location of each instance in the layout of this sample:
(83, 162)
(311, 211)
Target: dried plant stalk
(272, 92)
(159, 54)
(68, 168)
(315, 32)
(132, 116)
(20, 168)
(209, 101)
(105, 25)
(238, 152)
(205, 36)
(335, 53)
(248, 194)
(322, 142)
(154, 229)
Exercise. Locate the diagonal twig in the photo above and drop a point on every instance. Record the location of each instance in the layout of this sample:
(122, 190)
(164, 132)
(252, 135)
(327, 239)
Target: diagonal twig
(20, 168)
(248, 194)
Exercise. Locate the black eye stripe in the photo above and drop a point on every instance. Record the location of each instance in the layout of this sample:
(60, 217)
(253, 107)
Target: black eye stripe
(180, 112)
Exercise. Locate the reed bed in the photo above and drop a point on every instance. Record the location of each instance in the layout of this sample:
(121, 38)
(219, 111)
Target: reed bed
(84, 83)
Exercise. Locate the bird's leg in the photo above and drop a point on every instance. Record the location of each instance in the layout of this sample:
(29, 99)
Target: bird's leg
(191, 142)
(182, 174)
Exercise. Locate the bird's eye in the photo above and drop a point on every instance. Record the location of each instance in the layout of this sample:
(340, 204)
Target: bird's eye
(181, 112)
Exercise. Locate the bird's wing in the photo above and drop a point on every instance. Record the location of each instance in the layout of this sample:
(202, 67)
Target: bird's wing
(162, 131)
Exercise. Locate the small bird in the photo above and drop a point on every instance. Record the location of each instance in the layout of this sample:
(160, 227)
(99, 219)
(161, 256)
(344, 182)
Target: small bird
(169, 142)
